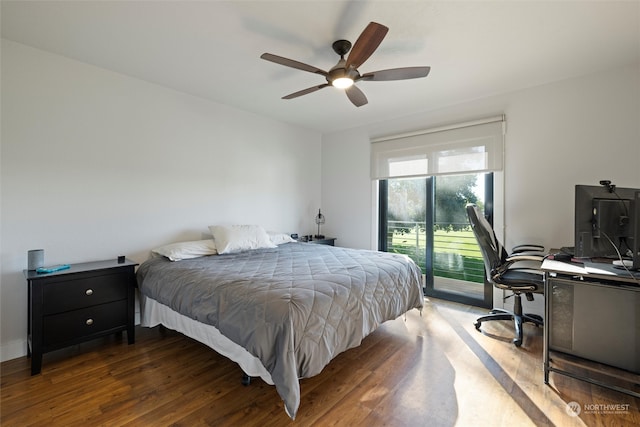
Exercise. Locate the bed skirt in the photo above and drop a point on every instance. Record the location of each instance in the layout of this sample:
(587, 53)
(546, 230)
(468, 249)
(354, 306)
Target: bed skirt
(153, 313)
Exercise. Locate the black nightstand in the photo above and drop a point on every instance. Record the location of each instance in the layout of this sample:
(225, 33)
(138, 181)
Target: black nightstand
(325, 241)
(78, 304)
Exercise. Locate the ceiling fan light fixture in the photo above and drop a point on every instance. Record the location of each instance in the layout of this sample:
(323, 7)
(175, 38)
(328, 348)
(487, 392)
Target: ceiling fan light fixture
(345, 73)
(342, 82)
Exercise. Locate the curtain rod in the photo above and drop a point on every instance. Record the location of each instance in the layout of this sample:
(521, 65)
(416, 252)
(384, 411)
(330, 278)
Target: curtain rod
(500, 118)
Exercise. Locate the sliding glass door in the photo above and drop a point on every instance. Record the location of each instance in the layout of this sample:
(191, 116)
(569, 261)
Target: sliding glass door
(425, 218)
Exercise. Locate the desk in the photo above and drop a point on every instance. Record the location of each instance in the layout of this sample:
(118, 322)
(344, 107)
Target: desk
(593, 314)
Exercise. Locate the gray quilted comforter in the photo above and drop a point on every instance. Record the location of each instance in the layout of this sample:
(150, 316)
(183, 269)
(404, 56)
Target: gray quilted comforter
(294, 307)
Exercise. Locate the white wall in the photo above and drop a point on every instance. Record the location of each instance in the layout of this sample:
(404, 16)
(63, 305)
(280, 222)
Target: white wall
(577, 131)
(347, 187)
(96, 164)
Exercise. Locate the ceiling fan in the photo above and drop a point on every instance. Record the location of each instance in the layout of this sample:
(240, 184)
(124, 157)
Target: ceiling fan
(345, 73)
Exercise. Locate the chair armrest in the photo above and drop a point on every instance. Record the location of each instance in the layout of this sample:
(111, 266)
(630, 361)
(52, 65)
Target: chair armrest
(536, 257)
(527, 248)
(526, 256)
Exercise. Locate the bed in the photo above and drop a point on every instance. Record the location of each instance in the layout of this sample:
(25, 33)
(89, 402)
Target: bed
(281, 312)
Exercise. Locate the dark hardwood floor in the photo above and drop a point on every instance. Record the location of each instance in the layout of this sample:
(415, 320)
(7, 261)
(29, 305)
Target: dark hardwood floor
(432, 369)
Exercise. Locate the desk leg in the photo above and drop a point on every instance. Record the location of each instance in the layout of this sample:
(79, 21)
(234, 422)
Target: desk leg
(545, 327)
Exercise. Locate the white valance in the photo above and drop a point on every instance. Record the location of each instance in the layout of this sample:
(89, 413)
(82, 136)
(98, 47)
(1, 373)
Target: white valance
(471, 147)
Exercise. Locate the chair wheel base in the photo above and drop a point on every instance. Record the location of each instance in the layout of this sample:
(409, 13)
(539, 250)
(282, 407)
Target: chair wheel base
(518, 319)
(535, 317)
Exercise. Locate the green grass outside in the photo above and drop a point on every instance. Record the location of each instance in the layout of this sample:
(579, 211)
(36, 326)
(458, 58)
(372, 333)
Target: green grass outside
(457, 254)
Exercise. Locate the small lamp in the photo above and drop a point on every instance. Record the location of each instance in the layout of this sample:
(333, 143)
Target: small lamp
(319, 220)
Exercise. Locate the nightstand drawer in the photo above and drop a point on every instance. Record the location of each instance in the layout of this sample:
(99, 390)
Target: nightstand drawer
(68, 295)
(79, 324)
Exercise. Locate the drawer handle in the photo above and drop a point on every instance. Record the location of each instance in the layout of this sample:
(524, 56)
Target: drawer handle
(89, 292)
(89, 322)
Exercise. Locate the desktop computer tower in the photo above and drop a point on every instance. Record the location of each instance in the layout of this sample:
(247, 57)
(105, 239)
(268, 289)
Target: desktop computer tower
(596, 321)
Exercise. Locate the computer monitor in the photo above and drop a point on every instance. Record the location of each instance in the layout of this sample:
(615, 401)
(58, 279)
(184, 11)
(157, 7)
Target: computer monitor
(605, 221)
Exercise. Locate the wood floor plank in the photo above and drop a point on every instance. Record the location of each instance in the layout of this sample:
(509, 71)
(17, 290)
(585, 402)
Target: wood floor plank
(432, 368)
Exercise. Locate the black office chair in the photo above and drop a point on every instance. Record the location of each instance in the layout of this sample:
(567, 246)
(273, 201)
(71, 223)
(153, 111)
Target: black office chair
(499, 270)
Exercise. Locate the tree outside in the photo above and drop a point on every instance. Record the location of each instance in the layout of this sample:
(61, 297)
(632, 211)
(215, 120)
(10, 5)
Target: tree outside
(456, 254)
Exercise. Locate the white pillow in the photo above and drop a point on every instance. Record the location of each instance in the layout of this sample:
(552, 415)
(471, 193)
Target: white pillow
(187, 250)
(280, 238)
(238, 238)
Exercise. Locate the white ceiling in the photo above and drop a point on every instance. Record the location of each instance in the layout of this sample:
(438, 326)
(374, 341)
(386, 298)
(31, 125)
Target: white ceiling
(212, 49)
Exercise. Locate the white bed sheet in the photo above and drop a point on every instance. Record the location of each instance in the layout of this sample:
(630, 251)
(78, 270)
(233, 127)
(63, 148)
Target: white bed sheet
(153, 313)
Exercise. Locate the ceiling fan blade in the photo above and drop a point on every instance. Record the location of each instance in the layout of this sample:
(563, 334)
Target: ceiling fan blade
(366, 44)
(305, 91)
(356, 96)
(293, 64)
(396, 74)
